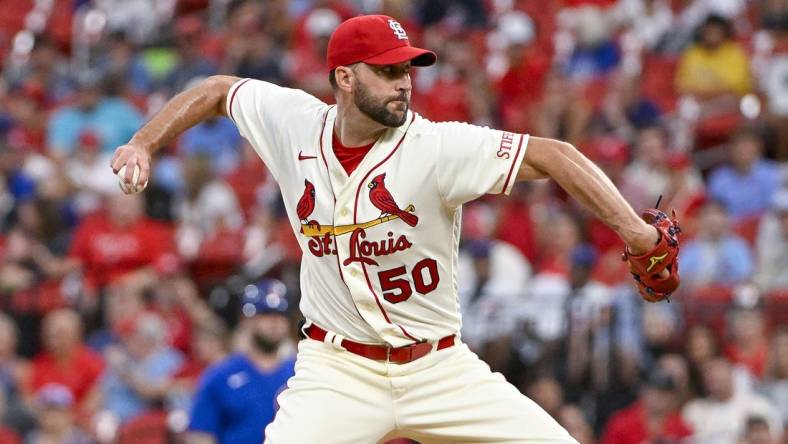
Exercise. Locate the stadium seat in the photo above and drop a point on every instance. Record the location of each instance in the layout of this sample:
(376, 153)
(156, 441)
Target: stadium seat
(707, 306)
(657, 81)
(148, 428)
(747, 228)
(776, 308)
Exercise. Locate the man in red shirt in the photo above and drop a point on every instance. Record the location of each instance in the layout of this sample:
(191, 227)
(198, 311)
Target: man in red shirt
(65, 359)
(112, 244)
(653, 418)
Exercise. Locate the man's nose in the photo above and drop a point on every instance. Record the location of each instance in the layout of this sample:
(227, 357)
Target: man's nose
(404, 84)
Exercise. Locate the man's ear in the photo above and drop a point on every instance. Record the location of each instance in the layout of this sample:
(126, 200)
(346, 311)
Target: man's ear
(344, 76)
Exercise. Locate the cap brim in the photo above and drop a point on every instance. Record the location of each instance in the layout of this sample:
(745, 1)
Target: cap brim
(416, 56)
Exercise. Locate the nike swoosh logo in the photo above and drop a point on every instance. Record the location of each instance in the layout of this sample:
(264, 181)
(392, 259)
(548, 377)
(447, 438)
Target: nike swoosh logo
(302, 157)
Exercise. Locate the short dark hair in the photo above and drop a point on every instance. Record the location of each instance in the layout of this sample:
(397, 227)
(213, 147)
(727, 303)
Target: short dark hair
(717, 20)
(332, 76)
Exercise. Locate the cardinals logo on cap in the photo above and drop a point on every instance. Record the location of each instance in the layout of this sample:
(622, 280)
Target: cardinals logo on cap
(399, 31)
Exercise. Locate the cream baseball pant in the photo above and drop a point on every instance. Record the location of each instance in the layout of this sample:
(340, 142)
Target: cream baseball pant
(447, 396)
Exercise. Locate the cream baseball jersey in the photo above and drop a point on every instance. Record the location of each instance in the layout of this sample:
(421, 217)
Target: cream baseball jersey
(379, 246)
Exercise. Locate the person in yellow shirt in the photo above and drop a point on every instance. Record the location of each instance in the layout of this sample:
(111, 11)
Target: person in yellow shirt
(716, 65)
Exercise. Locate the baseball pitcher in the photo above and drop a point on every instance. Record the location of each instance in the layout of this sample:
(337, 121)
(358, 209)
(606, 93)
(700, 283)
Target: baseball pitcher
(374, 194)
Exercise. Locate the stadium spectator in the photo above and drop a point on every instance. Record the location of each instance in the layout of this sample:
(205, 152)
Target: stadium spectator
(561, 111)
(7, 434)
(749, 344)
(191, 64)
(209, 347)
(676, 366)
(771, 62)
(140, 20)
(14, 371)
(45, 76)
(96, 108)
(574, 421)
(236, 398)
(596, 53)
(27, 274)
(526, 67)
(721, 416)
(716, 255)
(452, 89)
(308, 69)
(547, 392)
(747, 186)
(775, 382)
(700, 347)
(55, 407)
(65, 360)
(210, 231)
(715, 66)
(515, 224)
(685, 191)
(650, 22)
(757, 432)
(86, 169)
(122, 302)
(772, 245)
(648, 175)
(660, 324)
(491, 288)
(119, 242)
(625, 107)
(139, 371)
(123, 61)
(589, 324)
(216, 139)
(250, 48)
(653, 418)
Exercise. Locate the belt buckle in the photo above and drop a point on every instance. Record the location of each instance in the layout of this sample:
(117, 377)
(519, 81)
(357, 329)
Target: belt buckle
(410, 352)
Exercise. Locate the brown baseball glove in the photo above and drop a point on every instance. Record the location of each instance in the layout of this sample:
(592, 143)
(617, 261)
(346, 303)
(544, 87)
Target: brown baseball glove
(652, 284)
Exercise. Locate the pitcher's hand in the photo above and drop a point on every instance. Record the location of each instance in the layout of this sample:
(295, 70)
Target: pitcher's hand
(131, 155)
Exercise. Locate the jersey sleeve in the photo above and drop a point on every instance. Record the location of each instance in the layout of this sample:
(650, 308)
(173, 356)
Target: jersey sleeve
(473, 161)
(204, 415)
(268, 115)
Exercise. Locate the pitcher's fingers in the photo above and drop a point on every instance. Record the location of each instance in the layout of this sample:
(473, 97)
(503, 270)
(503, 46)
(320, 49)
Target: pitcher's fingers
(144, 171)
(128, 176)
(118, 160)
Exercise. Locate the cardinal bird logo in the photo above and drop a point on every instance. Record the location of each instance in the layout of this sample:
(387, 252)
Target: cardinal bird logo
(306, 205)
(381, 198)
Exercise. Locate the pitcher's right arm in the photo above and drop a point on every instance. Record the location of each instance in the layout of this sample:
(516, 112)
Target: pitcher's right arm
(185, 110)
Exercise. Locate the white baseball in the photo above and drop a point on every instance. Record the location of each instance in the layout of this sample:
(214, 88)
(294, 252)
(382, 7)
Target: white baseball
(135, 186)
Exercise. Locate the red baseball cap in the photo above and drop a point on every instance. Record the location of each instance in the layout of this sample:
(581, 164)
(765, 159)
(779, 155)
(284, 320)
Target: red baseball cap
(373, 39)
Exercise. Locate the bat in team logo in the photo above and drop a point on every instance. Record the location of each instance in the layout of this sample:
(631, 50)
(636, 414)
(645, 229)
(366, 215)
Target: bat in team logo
(382, 200)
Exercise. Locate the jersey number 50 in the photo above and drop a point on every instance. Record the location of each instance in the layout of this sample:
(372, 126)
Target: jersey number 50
(397, 289)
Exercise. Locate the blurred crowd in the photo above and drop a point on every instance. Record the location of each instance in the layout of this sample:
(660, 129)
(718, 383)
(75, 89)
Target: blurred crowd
(113, 306)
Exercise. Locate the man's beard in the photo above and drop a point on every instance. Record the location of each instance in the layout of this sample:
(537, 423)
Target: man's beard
(378, 112)
(264, 345)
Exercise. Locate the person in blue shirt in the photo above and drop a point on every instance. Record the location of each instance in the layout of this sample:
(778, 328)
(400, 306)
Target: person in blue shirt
(217, 139)
(110, 117)
(746, 186)
(716, 255)
(236, 398)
